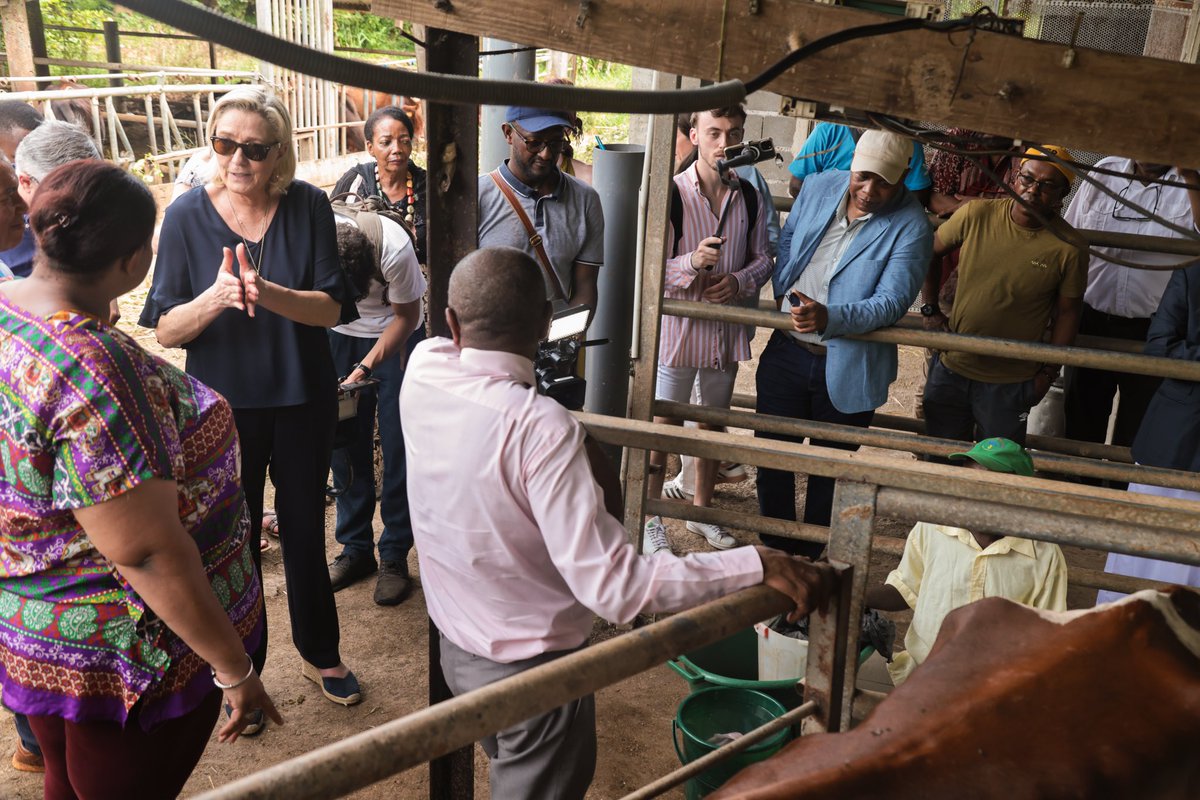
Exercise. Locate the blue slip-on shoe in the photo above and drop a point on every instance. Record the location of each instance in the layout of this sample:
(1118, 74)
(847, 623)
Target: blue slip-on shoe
(343, 691)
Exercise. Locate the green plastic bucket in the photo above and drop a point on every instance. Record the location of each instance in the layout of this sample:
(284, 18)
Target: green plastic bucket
(733, 662)
(717, 710)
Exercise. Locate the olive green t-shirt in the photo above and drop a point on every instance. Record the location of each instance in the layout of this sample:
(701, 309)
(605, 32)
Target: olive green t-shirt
(1009, 280)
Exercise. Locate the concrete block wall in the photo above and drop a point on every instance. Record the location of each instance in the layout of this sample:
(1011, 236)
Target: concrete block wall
(763, 120)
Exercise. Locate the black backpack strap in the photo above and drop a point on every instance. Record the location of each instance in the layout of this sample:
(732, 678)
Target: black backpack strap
(676, 217)
(750, 196)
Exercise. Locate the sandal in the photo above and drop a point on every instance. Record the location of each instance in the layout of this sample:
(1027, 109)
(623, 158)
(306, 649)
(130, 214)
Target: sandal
(270, 523)
(264, 545)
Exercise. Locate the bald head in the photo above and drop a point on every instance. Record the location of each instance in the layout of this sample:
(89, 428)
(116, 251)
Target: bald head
(498, 299)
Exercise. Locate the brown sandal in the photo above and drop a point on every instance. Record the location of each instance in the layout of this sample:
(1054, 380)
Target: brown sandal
(270, 523)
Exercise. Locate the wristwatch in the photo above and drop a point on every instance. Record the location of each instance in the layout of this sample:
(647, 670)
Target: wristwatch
(928, 310)
(366, 370)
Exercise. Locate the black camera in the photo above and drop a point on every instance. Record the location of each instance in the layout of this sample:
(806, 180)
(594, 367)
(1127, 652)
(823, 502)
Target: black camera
(558, 357)
(739, 155)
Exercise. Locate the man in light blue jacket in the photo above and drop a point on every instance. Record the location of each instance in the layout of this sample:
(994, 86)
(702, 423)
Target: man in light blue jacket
(852, 256)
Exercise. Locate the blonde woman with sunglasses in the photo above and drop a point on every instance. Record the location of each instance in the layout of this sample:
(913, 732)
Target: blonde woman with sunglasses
(246, 281)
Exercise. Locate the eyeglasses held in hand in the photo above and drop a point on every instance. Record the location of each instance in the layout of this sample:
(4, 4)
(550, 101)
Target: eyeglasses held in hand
(536, 146)
(253, 150)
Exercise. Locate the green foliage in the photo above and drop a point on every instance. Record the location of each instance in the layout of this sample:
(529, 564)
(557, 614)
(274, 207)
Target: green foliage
(610, 127)
(359, 29)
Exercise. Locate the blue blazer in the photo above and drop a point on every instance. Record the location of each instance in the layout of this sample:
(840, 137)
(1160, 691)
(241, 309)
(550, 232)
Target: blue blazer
(872, 286)
(1170, 432)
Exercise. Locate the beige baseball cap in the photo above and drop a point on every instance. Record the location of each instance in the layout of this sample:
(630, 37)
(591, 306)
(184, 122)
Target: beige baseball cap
(886, 154)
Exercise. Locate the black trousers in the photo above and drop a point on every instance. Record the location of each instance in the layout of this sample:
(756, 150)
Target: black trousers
(295, 443)
(1089, 392)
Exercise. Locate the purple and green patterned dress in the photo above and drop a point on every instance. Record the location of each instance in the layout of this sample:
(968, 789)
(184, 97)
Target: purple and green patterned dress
(86, 415)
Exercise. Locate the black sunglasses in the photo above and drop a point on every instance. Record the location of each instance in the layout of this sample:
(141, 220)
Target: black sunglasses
(536, 146)
(253, 150)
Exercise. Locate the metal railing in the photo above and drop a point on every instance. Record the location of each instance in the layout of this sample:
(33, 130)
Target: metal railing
(869, 486)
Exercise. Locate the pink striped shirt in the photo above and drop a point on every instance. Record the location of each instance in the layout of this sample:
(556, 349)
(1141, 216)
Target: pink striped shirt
(702, 343)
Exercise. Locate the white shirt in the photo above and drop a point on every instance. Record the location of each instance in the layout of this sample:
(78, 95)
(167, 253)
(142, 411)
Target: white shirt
(405, 283)
(516, 550)
(814, 280)
(1124, 291)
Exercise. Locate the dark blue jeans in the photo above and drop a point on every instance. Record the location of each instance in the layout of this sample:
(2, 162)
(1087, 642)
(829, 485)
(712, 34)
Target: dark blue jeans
(25, 734)
(356, 505)
(790, 382)
(957, 407)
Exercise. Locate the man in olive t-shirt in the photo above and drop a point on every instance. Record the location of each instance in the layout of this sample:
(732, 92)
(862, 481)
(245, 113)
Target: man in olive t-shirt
(1014, 277)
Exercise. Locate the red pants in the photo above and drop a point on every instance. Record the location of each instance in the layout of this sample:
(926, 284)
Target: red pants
(103, 761)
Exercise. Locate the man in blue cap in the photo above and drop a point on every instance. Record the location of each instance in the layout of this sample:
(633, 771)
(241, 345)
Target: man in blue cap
(529, 204)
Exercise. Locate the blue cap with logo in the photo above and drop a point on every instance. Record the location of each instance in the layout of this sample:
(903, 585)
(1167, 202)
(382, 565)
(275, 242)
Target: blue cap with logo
(538, 119)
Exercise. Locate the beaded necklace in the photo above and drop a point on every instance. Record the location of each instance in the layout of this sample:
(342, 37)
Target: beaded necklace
(410, 198)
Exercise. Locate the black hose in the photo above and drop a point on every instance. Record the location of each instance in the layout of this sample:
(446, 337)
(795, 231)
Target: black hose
(430, 86)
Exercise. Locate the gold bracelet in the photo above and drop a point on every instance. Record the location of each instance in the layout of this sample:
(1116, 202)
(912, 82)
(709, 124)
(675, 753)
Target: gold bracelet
(235, 684)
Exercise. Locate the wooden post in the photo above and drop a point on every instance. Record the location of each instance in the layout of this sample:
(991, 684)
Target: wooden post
(17, 44)
(661, 153)
(452, 209)
(37, 36)
(112, 49)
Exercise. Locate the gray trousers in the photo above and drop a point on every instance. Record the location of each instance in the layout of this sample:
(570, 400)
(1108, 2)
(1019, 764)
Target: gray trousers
(550, 757)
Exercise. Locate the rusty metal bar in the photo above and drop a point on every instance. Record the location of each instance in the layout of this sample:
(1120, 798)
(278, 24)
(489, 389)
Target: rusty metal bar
(1081, 530)
(365, 758)
(654, 259)
(1045, 443)
(1125, 510)
(921, 445)
(833, 641)
(673, 509)
(938, 340)
(723, 753)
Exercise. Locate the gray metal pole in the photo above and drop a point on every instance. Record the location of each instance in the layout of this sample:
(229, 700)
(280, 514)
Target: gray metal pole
(617, 176)
(509, 67)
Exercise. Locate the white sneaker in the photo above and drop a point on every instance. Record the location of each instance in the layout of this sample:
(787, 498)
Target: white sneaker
(674, 489)
(717, 536)
(731, 473)
(654, 537)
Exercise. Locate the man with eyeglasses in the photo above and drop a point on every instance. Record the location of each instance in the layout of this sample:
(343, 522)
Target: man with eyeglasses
(559, 222)
(1119, 300)
(1016, 276)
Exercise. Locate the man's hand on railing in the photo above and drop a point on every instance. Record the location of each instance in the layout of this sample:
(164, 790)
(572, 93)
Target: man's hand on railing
(808, 583)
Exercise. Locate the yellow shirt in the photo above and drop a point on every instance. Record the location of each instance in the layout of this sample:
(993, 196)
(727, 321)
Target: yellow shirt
(1009, 280)
(944, 568)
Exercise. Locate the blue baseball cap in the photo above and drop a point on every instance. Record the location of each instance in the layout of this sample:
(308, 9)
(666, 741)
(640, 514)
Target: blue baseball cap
(538, 119)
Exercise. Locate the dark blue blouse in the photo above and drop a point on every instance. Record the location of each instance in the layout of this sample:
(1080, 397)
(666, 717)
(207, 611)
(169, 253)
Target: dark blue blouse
(267, 361)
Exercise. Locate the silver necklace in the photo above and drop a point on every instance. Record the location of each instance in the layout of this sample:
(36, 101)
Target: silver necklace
(262, 236)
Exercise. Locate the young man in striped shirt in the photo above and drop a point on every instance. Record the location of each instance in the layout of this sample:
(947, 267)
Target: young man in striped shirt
(720, 256)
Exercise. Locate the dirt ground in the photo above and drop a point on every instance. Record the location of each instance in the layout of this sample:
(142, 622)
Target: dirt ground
(386, 647)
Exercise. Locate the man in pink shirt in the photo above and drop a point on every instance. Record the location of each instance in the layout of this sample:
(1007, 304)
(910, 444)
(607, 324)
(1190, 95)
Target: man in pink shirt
(516, 550)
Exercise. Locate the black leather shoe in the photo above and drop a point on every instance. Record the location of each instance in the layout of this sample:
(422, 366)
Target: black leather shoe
(393, 585)
(347, 569)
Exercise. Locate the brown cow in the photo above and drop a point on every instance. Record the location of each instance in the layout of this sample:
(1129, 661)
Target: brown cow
(1014, 703)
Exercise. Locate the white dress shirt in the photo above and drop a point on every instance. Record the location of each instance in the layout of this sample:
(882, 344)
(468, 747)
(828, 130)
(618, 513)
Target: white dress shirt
(516, 550)
(814, 280)
(1114, 289)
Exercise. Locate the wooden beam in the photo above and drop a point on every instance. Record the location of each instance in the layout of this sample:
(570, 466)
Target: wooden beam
(1031, 90)
(17, 44)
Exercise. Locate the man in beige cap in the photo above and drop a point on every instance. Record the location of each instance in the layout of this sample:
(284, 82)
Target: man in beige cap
(852, 257)
(1015, 279)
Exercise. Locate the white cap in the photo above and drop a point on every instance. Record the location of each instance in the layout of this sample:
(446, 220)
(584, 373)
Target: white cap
(886, 154)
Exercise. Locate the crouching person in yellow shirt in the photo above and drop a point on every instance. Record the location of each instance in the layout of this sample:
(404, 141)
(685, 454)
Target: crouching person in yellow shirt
(943, 568)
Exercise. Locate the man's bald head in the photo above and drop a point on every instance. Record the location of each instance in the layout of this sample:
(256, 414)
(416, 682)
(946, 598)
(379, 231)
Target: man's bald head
(498, 298)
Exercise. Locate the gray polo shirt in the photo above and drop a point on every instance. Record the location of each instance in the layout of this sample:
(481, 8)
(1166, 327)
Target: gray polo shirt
(569, 219)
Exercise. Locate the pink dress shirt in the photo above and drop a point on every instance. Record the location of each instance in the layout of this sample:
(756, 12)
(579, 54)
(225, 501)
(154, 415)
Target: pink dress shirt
(703, 343)
(517, 553)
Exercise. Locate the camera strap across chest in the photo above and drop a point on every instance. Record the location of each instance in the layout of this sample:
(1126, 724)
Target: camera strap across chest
(535, 238)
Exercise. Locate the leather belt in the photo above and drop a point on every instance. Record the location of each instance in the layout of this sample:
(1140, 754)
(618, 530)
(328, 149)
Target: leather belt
(815, 349)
